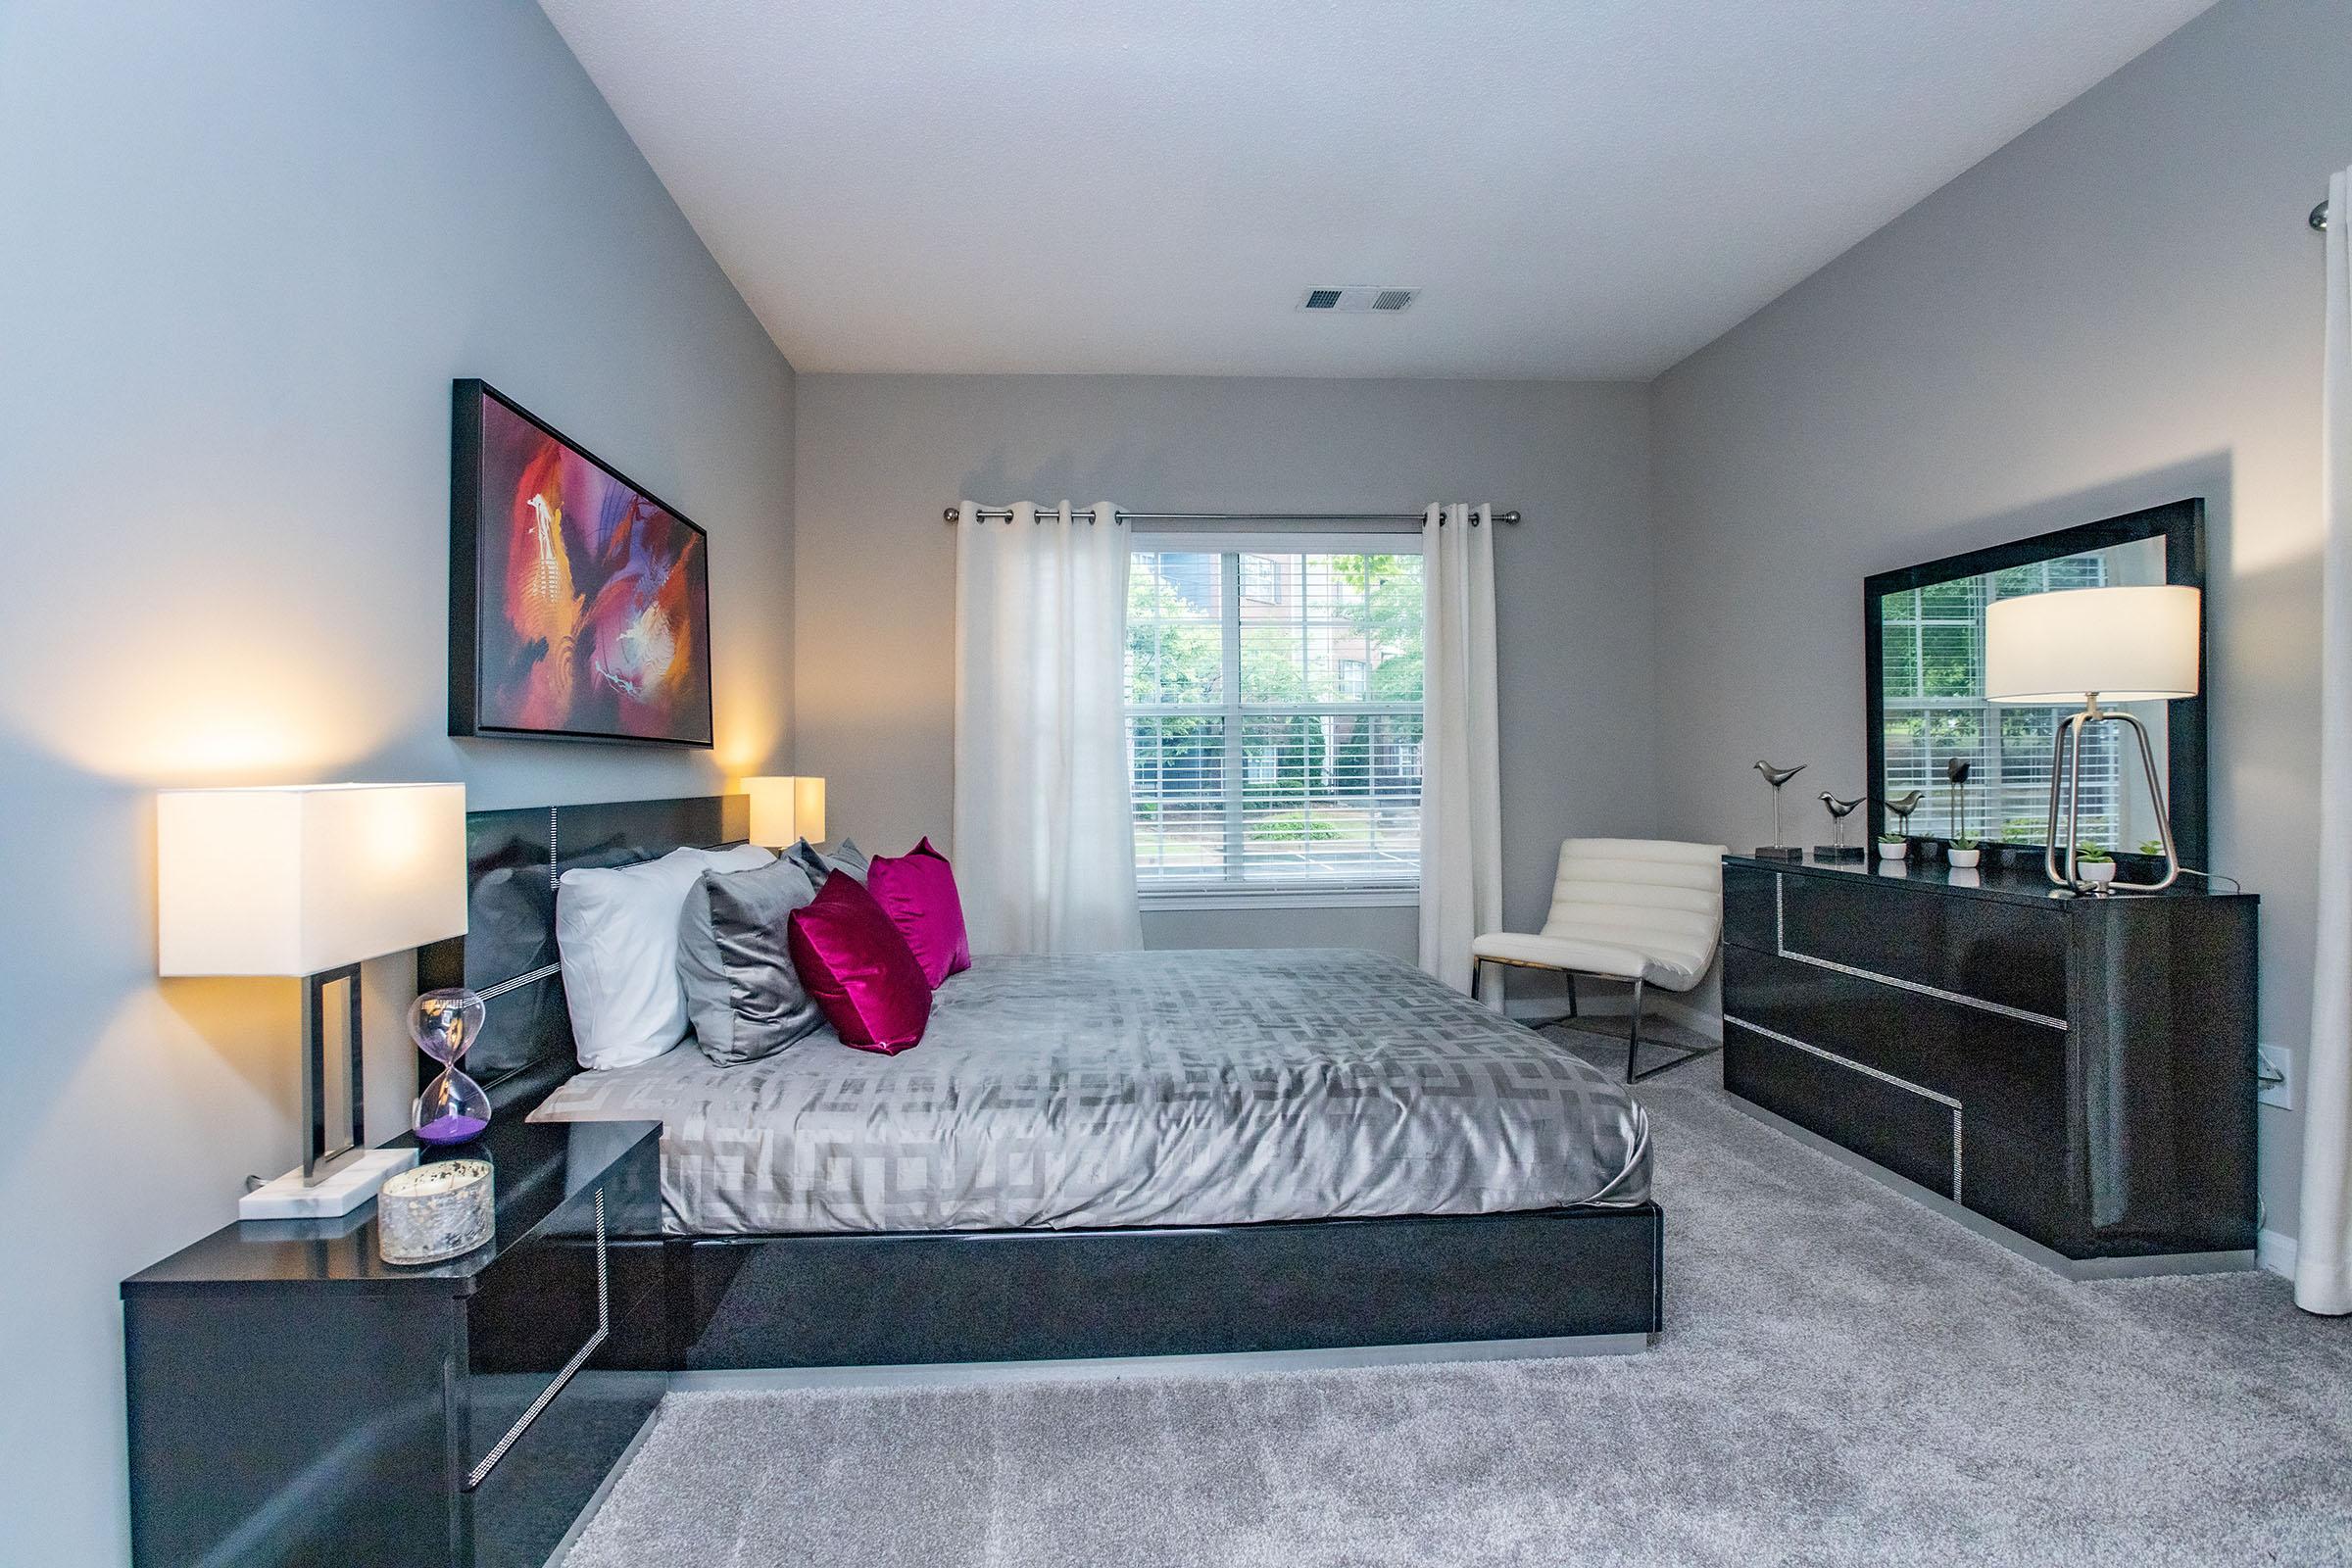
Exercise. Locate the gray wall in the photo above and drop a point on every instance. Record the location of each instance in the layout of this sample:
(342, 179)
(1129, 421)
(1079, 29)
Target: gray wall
(881, 455)
(2122, 306)
(248, 248)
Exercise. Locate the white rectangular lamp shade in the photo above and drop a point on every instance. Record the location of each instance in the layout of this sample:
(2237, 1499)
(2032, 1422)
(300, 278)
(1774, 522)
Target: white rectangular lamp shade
(785, 809)
(2126, 645)
(297, 879)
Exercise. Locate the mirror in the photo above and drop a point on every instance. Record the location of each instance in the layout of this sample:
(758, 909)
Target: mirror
(1924, 636)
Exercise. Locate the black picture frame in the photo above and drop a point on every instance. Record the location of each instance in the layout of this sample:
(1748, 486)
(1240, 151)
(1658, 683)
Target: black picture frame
(467, 700)
(2181, 526)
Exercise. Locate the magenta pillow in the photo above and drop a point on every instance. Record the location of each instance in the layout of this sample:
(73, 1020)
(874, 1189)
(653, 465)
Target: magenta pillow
(917, 891)
(859, 968)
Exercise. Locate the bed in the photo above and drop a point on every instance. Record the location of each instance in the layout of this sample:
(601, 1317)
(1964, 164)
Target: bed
(1090, 1155)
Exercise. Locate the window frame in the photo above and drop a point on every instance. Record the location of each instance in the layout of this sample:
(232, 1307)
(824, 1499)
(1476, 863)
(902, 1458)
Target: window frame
(1232, 891)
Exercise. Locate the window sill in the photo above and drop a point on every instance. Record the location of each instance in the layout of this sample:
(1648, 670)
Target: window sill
(1167, 900)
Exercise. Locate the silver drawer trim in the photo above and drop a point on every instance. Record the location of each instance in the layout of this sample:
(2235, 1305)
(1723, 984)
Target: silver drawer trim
(518, 982)
(580, 1358)
(1868, 1071)
(1780, 943)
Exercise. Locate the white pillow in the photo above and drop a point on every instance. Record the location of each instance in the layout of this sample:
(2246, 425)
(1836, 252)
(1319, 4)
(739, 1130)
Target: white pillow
(617, 932)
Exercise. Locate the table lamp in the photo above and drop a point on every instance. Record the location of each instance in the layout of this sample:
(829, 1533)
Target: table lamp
(785, 809)
(2123, 645)
(307, 881)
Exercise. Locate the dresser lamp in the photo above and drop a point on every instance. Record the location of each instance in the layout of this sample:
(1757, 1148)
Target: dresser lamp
(307, 881)
(786, 810)
(2116, 644)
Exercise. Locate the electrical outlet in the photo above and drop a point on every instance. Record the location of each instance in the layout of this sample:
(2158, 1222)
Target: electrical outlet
(2275, 1083)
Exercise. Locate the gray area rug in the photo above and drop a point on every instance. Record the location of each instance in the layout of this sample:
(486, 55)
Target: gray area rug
(1844, 1378)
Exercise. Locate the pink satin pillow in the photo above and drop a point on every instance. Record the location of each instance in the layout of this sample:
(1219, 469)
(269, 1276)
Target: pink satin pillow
(917, 891)
(859, 968)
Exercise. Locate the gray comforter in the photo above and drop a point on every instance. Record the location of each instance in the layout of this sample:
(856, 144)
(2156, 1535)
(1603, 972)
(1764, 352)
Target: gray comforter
(1138, 1089)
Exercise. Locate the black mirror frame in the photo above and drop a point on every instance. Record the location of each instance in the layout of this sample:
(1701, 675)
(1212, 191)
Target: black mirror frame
(2182, 526)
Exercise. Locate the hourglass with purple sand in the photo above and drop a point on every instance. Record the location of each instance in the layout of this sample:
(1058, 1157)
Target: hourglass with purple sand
(453, 1108)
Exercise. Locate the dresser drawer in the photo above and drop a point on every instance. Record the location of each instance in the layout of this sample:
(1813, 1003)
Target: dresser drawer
(2010, 955)
(2010, 1073)
(1909, 1130)
(1750, 907)
(524, 1506)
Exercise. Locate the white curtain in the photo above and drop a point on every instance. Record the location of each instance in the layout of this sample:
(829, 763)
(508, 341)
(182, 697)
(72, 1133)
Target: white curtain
(1045, 837)
(2324, 1250)
(1462, 785)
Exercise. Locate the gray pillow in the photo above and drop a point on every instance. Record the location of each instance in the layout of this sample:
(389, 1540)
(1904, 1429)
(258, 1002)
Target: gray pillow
(743, 995)
(846, 856)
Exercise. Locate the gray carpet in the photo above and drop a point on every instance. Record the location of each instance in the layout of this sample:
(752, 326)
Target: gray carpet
(1846, 1378)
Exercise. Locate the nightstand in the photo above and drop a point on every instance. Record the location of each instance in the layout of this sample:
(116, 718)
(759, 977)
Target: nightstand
(294, 1400)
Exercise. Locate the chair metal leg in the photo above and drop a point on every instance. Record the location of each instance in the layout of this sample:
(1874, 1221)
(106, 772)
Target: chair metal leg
(1633, 1034)
(1632, 1047)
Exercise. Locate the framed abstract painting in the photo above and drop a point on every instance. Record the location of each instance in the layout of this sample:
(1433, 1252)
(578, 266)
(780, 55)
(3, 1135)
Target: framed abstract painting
(579, 603)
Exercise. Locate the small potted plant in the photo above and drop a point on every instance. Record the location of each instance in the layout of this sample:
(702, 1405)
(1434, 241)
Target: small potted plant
(2092, 863)
(1893, 846)
(1965, 854)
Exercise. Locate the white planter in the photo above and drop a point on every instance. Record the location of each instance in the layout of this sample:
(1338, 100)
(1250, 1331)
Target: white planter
(1963, 859)
(2095, 871)
(1895, 852)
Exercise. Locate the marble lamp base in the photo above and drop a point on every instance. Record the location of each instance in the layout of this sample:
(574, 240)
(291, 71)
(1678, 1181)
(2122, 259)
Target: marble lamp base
(340, 1192)
(1833, 854)
(1778, 851)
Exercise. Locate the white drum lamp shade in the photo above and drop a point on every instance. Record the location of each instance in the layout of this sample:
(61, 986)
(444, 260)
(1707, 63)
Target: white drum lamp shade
(2126, 645)
(785, 809)
(297, 879)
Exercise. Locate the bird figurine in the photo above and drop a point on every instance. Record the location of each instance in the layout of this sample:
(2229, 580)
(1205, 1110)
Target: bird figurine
(1902, 805)
(1955, 793)
(1777, 777)
(1839, 812)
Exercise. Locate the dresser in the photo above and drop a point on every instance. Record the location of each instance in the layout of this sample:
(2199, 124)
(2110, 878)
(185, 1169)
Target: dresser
(294, 1400)
(2077, 1071)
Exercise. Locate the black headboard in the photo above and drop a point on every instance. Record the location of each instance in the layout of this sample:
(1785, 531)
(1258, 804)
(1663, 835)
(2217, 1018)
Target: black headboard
(513, 861)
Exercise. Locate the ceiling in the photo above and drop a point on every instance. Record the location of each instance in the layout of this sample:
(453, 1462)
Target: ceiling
(1583, 188)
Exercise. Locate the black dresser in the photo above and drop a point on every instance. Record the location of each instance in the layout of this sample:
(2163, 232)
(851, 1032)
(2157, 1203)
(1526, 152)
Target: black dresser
(2079, 1071)
(293, 1399)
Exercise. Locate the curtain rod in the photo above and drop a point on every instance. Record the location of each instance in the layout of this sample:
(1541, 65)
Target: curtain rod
(1005, 515)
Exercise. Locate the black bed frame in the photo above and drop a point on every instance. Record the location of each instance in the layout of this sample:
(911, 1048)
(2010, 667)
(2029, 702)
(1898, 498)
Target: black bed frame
(738, 1302)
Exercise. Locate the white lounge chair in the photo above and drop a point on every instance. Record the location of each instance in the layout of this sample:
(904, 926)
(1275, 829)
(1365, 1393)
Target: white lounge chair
(1644, 910)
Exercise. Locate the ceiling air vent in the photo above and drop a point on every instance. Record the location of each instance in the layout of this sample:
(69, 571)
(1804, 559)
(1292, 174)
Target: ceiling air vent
(1359, 298)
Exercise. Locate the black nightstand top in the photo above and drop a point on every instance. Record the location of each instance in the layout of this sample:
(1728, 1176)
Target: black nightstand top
(539, 1165)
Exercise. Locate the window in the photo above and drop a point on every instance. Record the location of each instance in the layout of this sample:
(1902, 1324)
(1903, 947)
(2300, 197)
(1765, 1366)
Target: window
(1274, 719)
(1934, 660)
(1262, 579)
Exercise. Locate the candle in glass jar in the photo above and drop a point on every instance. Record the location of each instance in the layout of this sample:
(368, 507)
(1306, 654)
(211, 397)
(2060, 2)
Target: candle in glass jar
(435, 1212)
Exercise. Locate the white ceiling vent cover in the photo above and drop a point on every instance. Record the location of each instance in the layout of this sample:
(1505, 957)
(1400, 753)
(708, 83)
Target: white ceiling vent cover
(1359, 298)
